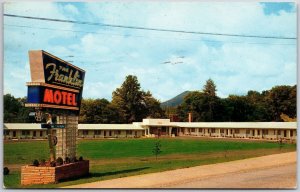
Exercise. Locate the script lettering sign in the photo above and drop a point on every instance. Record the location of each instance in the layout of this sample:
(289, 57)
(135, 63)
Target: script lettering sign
(55, 83)
(61, 73)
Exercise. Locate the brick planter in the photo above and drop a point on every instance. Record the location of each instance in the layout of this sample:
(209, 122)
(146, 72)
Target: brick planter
(44, 175)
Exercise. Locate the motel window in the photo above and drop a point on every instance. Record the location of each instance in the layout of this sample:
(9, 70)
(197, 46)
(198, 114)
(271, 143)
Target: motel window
(129, 132)
(258, 132)
(279, 132)
(291, 133)
(192, 130)
(85, 132)
(200, 130)
(118, 132)
(41, 133)
(221, 130)
(6, 132)
(274, 132)
(97, 132)
(213, 130)
(236, 131)
(230, 131)
(25, 132)
(265, 132)
(247, 131)
(34, 133)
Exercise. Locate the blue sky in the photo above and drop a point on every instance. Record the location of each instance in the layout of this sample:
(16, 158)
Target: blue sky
(109, 54)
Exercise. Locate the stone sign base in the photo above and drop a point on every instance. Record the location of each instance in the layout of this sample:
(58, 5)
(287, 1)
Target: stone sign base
(44, 175)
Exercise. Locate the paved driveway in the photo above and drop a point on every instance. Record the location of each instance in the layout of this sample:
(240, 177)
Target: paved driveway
(272, 171)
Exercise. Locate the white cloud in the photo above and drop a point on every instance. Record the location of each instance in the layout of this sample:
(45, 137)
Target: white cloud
(235, 64)
(71, 9)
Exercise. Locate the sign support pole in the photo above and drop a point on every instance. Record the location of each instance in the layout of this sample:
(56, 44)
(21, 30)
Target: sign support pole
(51, 146)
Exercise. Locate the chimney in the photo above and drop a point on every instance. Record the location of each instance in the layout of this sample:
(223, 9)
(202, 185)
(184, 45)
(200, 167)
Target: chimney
(190, 117)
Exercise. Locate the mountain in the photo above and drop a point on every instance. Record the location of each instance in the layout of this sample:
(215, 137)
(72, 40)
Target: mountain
(177, 100)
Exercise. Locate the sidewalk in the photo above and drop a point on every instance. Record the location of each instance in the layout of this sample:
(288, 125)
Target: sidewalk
(168, 178)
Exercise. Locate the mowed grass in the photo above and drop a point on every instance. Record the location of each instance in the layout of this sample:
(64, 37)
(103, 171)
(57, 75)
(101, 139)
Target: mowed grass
(114, 158)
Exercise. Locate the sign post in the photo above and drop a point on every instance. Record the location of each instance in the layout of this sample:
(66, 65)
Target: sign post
(56, 89)
(57, 84)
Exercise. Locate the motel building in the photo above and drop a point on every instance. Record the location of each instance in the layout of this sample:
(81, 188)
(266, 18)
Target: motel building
(165, 128)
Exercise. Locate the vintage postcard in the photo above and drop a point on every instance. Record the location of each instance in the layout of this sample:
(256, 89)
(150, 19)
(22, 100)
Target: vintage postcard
(150, 95)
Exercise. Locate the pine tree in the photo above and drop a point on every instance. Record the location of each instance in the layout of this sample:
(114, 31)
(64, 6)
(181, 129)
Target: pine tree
(209, 90)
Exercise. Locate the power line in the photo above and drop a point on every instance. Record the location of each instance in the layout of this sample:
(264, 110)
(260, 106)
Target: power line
(146, 28)
(184, 39)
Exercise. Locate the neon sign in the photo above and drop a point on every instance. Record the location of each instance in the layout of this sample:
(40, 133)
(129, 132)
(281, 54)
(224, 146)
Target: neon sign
(54, 83)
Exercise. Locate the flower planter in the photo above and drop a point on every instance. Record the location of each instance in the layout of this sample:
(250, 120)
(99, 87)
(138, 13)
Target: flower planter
(44, 175)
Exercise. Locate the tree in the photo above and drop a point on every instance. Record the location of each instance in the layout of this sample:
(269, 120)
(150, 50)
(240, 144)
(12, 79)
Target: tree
(258, 107)
(11, 108)
(210, 88)
(15, 110)
(128, 100)
(97, 111)
(193, 103)
(157, 149)
(240, 108)
(152, 106)
(132, 103)
(281, 99)
(203, 107)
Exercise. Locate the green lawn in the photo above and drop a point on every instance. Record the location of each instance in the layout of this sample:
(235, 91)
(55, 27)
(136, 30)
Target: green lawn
(113, 158)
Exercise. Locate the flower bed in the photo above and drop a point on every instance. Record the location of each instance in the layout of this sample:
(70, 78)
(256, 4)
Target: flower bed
(44, 175)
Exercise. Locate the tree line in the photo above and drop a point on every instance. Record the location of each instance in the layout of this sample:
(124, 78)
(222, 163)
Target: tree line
(132, 104)
(269, 105)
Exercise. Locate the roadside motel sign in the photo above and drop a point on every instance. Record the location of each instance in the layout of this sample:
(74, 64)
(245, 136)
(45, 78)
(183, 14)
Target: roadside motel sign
(55, 83)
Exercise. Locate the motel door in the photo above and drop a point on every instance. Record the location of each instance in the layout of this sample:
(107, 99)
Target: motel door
(284, 133)
(174, 131)
(159, 132)
(14, 134)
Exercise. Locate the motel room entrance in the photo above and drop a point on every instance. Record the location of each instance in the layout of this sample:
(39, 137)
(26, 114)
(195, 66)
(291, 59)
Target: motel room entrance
(159, 131)
(174, 131)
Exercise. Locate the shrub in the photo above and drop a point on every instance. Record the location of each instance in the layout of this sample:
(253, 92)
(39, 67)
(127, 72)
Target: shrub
(80, 158)
(5, 171)
(73, 160)
(43, 162)
(35, 163)
(67, 160)
(52, 164)
(157, 149)
(59, 161)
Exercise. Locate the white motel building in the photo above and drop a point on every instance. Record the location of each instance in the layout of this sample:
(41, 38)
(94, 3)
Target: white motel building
(165, 128)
